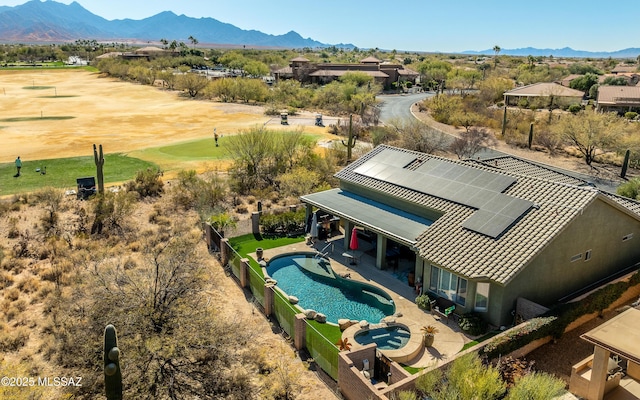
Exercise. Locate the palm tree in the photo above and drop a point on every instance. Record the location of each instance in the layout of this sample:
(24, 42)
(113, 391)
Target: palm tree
(193, 41)
(343, 344)
(496, 49)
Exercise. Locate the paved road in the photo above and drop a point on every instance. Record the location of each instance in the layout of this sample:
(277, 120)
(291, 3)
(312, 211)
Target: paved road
(399, 107)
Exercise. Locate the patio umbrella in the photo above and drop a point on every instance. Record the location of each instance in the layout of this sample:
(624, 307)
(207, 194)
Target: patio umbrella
(353, 243)
(313, 230)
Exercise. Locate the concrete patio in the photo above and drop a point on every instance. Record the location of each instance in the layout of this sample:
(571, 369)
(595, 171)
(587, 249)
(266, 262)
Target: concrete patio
(448, 341)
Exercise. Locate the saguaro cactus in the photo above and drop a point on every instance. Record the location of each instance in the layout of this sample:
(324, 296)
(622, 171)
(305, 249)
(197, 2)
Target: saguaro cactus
(351, 143)
(625, 164)
(112, 372)
(504, 121)
(99, 159)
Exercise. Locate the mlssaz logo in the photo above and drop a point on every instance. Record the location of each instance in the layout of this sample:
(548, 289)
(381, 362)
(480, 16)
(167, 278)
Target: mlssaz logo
(60, 381)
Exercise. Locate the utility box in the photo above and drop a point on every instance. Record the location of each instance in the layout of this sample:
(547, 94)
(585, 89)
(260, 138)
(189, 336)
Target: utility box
(86, 187)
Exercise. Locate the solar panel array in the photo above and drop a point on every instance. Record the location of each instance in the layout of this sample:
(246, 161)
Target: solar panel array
(461, 184)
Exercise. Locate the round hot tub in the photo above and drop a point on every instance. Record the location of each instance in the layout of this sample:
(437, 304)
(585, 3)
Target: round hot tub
(386, 337)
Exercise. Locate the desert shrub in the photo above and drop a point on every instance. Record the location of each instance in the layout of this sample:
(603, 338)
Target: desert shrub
(147, 183)
(130, 263)
(537, 386)
(12, 294)
(51, 201)
(473, 324)
(281, 224)
(428, 383)
(134, 246)
(424, 302)
(511, 369)
(44, 291)
(14, 340)
(574, 108)
(14, 232)
(6, 280)
(111, 210)
(467, 378)
(14, 265)
(22, 248)
(631, 115)
(30, 284)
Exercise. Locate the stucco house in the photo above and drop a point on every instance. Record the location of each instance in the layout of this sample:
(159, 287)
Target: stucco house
(306, 71)
(544, 93)
(484, 233)
(618, 98)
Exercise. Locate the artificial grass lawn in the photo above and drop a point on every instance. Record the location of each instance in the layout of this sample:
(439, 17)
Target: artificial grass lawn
(246, 244)
(63, 172)
(481, 339)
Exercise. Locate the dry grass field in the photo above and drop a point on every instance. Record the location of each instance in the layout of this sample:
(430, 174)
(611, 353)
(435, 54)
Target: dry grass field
(48, 114)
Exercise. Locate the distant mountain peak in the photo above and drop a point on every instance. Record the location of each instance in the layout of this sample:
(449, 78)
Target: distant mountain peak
(50, 21)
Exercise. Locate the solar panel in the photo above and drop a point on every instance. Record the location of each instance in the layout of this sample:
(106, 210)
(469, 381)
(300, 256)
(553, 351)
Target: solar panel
(461, 184)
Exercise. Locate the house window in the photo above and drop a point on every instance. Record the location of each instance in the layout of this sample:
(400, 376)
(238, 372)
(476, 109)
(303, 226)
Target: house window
(627, 237)
(587, 255)
(576, 257)
(448, 285)
(482, 297)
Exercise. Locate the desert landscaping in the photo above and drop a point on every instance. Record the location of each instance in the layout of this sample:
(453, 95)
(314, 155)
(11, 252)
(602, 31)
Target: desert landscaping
(126, 118)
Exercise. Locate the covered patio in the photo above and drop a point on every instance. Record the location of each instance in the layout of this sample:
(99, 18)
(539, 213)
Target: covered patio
(384, 229)
(613, 371)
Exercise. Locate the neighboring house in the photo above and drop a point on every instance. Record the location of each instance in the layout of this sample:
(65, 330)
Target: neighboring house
(544, 93)
(566, 81)
(301, 69)
(630, 78)
(484, 233)
(624, 69)
(618, 98)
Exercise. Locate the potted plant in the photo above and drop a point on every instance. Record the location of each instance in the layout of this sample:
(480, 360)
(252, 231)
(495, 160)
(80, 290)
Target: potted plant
(429, 334)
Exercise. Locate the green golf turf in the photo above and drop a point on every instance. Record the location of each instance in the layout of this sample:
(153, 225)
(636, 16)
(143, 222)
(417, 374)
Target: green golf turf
(63, 172)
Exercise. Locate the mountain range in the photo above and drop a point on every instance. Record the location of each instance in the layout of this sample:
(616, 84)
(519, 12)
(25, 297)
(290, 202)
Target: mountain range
(53, 22)
(568, 52)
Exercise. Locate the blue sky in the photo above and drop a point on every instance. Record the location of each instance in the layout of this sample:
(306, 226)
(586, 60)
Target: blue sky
(420, 25)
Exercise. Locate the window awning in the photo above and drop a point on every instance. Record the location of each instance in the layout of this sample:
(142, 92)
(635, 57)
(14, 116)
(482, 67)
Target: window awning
(394, 223)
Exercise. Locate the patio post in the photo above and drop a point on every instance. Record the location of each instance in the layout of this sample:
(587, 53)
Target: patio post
(598, 373)
(244, 272)
(348, 226)
(381, 254)
(224, 252)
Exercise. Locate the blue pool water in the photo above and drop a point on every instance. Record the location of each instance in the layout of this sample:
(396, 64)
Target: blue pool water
(312, 281)
(387, 338)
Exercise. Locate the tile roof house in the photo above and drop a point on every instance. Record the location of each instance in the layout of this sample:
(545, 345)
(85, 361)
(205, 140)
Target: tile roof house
(561, 95)
(618, 98)
(305, 71)
(485, 233)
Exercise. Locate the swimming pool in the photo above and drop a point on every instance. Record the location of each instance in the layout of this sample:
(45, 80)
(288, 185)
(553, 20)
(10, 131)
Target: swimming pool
(317, 287)
(386, 338)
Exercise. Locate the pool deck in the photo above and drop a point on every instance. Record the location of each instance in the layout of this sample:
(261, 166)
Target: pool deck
(448, 341)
